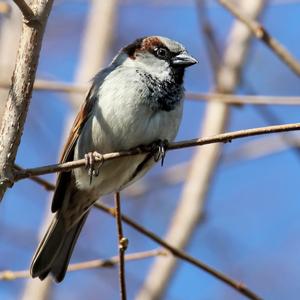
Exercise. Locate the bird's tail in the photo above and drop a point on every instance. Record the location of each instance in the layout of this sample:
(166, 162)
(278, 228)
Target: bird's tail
(54, 251)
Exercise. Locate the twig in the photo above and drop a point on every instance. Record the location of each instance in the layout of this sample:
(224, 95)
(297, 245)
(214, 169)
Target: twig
(244, 99)
(63, 87)
(219, 138)
(123, 244)
(259, 148)
(46, 184)
(91, 264)
(181, 254)
(271, 118)
(28, 14)
(260, 32)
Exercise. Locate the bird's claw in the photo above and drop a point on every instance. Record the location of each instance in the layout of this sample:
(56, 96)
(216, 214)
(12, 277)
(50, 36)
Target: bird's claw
(159, 149)
(93, 162)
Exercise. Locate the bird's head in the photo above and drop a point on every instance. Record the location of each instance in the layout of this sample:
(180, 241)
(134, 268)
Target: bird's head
(158, 56)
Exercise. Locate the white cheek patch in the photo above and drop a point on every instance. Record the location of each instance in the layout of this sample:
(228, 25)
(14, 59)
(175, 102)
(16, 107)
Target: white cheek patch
(148, 63)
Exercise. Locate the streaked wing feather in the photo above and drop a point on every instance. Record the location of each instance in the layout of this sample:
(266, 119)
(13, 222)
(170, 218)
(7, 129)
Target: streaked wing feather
(64, 178)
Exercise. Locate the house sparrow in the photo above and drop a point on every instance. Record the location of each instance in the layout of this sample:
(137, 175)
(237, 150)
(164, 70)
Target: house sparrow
(136, 100)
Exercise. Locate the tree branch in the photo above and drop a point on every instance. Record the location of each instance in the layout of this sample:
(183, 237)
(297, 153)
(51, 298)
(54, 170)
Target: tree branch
(20, 94)
(63, 87)
(28, 14)
(241, 288)
(261, 33)
(219, 138)
(123, 243)
(91, 264)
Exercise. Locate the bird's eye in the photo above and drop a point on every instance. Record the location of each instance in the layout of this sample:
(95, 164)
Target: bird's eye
(161, 52)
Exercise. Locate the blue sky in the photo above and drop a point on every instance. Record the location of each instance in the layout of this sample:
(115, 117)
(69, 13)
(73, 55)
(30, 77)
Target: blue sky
(252, 214)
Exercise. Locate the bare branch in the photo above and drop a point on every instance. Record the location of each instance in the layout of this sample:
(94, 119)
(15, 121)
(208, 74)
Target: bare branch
(244, 99)
(63, 87)
(123, 243)
(260, 33)
(20, 94)
(91, 264)
(241, 288)
(220, 138)
(46, 184)
(28, 14)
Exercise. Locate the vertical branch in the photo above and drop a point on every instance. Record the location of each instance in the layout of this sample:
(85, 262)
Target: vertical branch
(123, 243)
(205, 160)
(20, 92)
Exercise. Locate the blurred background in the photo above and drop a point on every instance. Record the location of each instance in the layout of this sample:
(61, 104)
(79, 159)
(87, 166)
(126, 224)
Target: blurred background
(236, 205)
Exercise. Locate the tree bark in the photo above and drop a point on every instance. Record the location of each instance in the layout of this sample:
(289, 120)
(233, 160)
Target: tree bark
(21, 90)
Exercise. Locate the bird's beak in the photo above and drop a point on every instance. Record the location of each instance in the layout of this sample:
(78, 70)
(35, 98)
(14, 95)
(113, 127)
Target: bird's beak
(183, 60)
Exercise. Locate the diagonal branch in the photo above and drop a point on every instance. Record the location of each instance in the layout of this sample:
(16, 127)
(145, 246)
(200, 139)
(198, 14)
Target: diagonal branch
(240, 287)
(28, 14)
(261, 33)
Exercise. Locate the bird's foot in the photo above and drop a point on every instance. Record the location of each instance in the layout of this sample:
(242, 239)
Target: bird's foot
(159, 150)
(93, 162)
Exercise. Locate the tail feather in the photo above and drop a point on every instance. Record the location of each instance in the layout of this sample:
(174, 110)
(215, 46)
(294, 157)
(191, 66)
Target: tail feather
(55, 250)
(61, 262)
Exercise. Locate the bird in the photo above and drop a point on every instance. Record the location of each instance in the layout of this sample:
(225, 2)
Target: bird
(136, 101)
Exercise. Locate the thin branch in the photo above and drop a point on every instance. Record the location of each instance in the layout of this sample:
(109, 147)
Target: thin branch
(27, 12)
(123, 243)
(259, 148)
(244, 99)
(219, 138)
(63, 87)
(261, 33)
(91, 264)
(240, 287)
(46, 184)
(53, 86)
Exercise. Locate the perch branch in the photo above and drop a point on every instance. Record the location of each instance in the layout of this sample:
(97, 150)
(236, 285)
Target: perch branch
(219, 138)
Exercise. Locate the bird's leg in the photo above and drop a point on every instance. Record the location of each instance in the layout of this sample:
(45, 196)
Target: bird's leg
(93, 162)
(159, 150)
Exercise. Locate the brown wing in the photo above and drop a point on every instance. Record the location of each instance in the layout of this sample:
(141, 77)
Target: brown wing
(64, 178)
